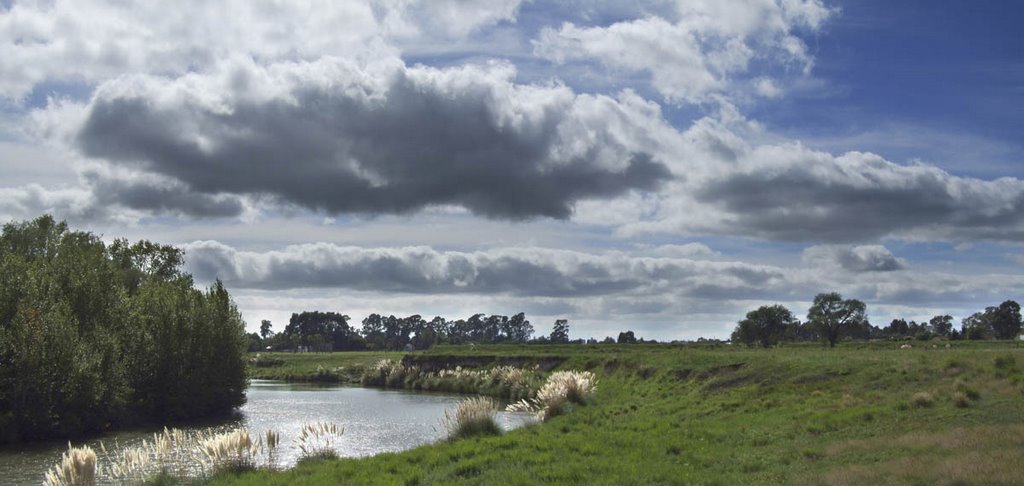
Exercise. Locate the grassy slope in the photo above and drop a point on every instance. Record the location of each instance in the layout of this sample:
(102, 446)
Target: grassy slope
(698, 415)
(334, 367)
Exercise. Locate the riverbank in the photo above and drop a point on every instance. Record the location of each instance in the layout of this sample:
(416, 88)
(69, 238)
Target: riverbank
(340, 368)
(664, 414)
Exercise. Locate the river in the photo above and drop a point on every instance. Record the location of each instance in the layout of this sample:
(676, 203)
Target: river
(374, 421)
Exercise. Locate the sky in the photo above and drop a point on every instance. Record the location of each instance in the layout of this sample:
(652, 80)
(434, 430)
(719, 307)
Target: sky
(656, 166)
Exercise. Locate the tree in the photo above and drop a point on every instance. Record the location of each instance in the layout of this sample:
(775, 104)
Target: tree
(897, 328)
(560, 332)
(93, 336)
(766, 325)
(976, 326)
(1005, 320)
(627, 337)
(941, 325)
(832, 316)
(265, 331)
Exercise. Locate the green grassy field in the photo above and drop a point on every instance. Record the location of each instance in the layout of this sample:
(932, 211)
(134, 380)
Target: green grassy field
(857, 414)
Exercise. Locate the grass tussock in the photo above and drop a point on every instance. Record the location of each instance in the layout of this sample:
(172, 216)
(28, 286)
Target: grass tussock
(234, 451)
(316, 441)
(961, 400)
(77, 467)
(562, 390)
(472, 417)
(922, 400)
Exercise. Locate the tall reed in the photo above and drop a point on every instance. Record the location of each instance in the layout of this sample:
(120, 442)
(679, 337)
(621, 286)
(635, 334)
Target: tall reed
(561, 390)
(77, 467)
(472, 416)
(316, 441)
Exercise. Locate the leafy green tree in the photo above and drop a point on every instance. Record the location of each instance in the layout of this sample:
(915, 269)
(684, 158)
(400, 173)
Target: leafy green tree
(560, 331)
(832, 316)
(941, 325)
(93, 336)
(627, 337)
(1005, 320)
(976, 326)
(265, 331)
(766, 325)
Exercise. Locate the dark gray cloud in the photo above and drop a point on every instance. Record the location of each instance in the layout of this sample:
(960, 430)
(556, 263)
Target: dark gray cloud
(865, 258)
(161, 197)
(381, 147)
(860, 197)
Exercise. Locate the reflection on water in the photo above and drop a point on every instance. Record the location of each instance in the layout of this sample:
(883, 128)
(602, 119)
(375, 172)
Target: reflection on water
(374, 421)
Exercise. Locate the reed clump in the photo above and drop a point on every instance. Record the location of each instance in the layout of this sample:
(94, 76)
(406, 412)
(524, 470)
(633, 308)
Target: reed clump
(181, 455)
(316, 441)
(77, 467)
(472, 417)
(501, 381)
(561, 391)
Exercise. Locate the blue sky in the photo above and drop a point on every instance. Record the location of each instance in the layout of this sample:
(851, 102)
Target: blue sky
(933, 71)
(661, 166)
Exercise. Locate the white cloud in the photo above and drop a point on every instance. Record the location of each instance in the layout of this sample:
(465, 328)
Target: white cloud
(89, 41)
(694, 56)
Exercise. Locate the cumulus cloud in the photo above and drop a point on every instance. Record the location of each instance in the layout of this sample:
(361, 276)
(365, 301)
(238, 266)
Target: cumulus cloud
(89, 41)
(692, 54)
(750, 185)
(864, 258)
(336, 137)
(534, 272)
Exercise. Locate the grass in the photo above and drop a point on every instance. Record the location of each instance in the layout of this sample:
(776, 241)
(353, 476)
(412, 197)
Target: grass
(723, 415)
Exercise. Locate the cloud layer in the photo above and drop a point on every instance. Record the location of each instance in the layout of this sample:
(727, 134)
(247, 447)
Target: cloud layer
(692, 52)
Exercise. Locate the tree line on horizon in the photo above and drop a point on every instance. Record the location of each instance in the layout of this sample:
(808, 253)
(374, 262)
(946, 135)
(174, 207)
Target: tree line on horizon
(332, 331)
(832, 318)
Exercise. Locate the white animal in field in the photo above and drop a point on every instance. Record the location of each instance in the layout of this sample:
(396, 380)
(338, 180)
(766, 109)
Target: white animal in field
(906, 346)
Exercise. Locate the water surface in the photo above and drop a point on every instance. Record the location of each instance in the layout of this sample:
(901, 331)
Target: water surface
(374, 421)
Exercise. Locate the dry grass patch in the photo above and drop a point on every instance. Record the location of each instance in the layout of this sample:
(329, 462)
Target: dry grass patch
(922, 400)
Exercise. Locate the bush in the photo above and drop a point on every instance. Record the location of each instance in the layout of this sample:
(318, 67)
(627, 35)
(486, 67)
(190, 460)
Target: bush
(1005, 362)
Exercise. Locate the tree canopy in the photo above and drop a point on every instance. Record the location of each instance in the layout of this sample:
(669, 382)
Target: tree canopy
(95, 336)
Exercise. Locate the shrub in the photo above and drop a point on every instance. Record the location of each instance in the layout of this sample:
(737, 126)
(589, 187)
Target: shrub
(968, 391)
(472, 417)
(1005, 362)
